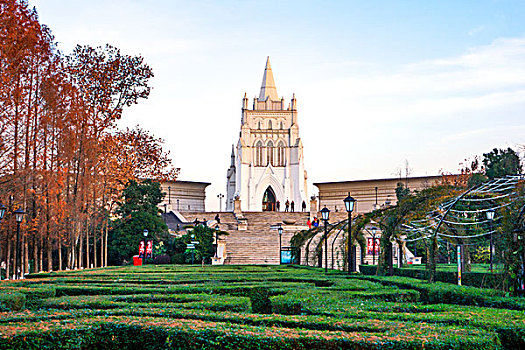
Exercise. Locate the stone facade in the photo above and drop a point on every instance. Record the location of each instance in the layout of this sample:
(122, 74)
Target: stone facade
(370, 194)
(183, 196)
(267, 163)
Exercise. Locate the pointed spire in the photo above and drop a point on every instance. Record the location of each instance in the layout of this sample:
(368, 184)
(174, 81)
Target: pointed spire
(233, 157)
(268, 88)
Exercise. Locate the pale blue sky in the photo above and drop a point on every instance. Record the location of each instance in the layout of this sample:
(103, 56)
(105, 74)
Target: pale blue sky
(377, 82)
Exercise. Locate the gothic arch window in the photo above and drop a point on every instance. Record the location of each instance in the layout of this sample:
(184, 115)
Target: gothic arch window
(269, 153)
(280, 154)
(259, 125)
(269, 124)
(281, 125)
(259, 153)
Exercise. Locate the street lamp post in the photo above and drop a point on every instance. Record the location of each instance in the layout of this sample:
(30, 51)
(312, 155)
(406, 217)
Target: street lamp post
(216, 239)
(19, 216)
(490, 217)
(220, 196)
(325, 215)
(193, 250)
(349, 205)
(280, 230)
(2, 212)
(145, 244)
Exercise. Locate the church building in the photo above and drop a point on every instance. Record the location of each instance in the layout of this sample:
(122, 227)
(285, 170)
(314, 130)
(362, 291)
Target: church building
(267, 167)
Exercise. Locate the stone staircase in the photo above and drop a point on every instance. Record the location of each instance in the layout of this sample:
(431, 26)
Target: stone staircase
(258, 243)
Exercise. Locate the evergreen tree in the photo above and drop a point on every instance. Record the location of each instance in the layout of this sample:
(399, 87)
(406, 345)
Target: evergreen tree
(499, 163)
(138, 211)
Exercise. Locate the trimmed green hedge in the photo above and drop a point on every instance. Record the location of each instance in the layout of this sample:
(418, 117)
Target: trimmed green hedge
(12, 301)
(474, 279)
(163, 334)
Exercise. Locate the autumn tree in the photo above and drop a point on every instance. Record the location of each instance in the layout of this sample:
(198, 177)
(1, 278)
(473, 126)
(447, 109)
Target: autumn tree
(59, 144)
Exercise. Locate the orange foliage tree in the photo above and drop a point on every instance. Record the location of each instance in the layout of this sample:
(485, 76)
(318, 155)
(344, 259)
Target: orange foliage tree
(62, 158)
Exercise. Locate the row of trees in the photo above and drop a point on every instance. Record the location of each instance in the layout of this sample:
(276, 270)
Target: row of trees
(62, 158)
(414, 206)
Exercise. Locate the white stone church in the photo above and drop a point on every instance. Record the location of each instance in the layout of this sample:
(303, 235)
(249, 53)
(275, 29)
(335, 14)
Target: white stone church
(267, 167)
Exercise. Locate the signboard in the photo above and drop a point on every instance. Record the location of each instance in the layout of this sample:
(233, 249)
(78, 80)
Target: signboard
(286, 257)
(149, 249)
(372, 246)
(190, 246)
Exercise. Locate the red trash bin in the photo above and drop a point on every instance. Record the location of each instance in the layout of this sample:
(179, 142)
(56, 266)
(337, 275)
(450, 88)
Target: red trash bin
(137, 261)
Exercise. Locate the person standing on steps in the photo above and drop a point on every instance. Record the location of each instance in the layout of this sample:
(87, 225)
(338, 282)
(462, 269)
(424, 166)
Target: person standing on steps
(286, 205)
(278, 205)
(303, 206)
(292, 205)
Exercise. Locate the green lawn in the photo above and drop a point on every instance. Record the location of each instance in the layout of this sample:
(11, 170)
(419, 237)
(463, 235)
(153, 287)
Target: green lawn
(251, 307)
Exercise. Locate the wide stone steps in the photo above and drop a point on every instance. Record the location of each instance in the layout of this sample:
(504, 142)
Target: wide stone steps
(259, 243)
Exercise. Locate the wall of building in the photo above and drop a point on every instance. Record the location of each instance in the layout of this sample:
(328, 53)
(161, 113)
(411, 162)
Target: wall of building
(370, 194)
(184, 196)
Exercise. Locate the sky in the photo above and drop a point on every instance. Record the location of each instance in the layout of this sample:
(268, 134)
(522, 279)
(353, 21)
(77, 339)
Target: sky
(379, 84)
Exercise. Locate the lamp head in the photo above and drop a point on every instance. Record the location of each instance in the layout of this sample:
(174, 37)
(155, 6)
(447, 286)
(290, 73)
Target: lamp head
(325, 213)
(19, 215)
(2, 210)
(349, 203)
(146, 233)
(280, 230)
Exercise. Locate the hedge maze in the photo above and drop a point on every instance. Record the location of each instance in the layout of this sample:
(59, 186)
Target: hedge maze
(251, 307)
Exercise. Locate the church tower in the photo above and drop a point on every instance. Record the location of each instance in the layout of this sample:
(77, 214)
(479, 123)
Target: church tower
(267, 164)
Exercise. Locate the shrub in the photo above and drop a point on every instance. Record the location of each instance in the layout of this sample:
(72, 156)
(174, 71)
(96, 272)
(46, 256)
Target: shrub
(36, 296)
(12, 301)
(260, 300)
(323, 283)
(162, 259)
(284, 306)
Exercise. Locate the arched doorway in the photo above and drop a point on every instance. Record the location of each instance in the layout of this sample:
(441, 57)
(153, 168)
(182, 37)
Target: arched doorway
(269, 200)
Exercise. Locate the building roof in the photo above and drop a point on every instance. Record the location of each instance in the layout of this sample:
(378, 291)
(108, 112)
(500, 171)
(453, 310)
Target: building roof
(384, 179)
(188, 182)
(268, 88)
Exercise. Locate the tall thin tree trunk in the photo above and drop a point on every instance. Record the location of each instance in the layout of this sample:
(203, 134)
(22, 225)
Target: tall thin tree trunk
(87, 246)
(26, 254)
(8, 259)
(95, 247)
(60, 254)
(80, 260)
(35, 254)
(41, 253)
(106, 246)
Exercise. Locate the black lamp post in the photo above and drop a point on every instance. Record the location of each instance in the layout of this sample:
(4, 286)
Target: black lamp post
(280, 230)
(145, 244)
(490, 217)
(2, 213)
(349, 205)
(216, 239)
(19, 216)
(325, 215)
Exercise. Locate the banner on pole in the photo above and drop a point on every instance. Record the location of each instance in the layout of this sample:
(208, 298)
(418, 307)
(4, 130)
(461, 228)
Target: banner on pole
(372, 246)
